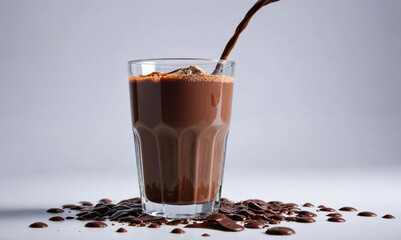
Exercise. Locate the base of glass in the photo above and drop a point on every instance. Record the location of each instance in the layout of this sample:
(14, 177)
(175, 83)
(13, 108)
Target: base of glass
(180, 211)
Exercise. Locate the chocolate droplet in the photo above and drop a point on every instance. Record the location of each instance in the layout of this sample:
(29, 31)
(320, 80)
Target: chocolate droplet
(254, 224)
(86, 203)
(305, 220)
(336, 219)
(307, 214)
(348, 209)
(96, 224)
(280, 231)
(367, 214)
(334, 215)
(121, 230)
(38, 225)
(327, 209)
(154, 225)
(55, 210)
(56, 219)
(177, 230)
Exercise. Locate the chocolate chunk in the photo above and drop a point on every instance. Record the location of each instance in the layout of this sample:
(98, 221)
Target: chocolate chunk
(101, 209)
(121, 230)
(254, 224)
(225, 222)
(38, 225)
(280, 231)
(55, 210)
(388, 216)
(225, 210)
(246, 212)
(367, 214)
(256, 205)
(96, 224)
(348, 209)
(177, 230)
(308, 205)
(90, 215)
(336, 219)
(56, 219)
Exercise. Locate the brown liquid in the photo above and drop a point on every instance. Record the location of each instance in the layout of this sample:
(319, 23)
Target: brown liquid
(231, 43)
(181, 123)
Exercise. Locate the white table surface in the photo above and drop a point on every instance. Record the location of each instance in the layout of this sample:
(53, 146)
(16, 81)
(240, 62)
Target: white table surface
(25, 198)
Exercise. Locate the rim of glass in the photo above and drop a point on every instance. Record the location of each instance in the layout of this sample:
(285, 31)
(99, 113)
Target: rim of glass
(166, 61)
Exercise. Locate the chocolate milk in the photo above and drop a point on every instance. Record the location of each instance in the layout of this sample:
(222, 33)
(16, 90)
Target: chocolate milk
(181, 121)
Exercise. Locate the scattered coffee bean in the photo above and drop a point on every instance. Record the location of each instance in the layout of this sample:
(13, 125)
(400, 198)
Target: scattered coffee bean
(388, 216)
(205, 235)
(70, 217)
(308, 205)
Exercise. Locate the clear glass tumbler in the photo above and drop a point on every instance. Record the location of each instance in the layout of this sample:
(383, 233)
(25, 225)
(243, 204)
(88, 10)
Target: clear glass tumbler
(181, 115)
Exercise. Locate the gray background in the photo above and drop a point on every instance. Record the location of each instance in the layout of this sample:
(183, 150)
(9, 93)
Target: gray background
(317, 81)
